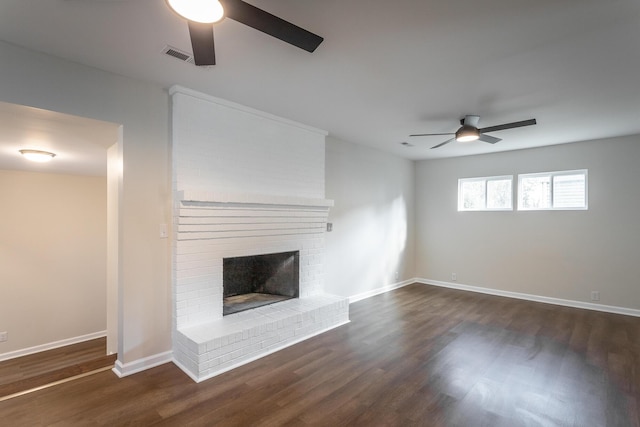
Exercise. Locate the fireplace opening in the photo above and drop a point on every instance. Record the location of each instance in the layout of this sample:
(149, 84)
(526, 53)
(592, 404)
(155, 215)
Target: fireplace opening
(253, 281)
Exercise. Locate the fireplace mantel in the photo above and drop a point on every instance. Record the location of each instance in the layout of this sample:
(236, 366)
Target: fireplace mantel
(216, 198)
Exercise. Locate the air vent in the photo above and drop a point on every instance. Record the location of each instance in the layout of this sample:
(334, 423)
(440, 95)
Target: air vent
(178, 54)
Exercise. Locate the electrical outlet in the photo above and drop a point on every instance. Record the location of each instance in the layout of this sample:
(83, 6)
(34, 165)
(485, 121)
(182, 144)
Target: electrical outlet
(397, 275)
(329, 226)
(595, 295)
(454, 276)
(4, 336)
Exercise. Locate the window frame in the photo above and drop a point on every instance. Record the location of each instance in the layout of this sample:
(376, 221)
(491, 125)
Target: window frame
(551, 175)
(486, 179)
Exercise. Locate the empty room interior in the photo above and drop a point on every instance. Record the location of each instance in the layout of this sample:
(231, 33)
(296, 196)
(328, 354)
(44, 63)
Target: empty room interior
(270, 213)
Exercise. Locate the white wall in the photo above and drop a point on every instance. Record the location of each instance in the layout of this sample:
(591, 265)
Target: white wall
(373, 219)
(114, 204)
(558, 254)
(42, 81)
(52, 258)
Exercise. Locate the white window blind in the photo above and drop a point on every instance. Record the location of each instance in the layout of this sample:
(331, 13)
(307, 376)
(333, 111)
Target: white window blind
(569, 191)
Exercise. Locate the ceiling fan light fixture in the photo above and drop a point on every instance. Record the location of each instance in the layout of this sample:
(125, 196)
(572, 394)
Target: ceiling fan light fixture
(203, 11)
(37, 155)
(467, 133)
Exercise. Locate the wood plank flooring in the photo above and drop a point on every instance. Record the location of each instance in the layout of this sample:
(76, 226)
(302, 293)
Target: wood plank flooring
(35, 370)
(417, 356)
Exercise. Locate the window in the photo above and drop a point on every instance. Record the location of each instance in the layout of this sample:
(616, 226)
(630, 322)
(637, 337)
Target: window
(485, 194)
(566, 190)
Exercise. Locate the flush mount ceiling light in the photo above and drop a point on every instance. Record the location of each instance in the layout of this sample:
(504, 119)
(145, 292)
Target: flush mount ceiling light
(203, 11)
(37, 155)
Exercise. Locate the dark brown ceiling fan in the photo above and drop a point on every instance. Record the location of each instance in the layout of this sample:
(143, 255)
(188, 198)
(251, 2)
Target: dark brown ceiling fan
(469, 131)
(201, 27)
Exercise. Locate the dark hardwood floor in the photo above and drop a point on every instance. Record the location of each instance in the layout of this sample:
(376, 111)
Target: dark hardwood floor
(419, 355)
(35, 370)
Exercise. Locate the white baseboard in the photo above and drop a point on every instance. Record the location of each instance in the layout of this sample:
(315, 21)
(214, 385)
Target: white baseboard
(129, 368)
(51, 345)
(379, 291)
(529, 297)
(186, 370)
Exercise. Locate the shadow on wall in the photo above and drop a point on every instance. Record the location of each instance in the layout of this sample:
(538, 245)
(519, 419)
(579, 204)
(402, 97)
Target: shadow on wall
(365, 248)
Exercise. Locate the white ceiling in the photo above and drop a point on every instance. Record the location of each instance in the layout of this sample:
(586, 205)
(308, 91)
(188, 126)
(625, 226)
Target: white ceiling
(386, 69)
(80, 144)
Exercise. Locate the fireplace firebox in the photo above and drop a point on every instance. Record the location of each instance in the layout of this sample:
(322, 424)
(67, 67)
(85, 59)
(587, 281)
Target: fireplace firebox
(253, 281)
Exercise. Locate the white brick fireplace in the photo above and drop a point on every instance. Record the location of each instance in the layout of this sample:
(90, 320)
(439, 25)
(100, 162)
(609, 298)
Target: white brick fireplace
(245, 183)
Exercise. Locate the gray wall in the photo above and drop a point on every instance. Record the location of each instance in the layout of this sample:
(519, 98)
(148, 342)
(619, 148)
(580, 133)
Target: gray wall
(42, 81)
(373, 219)
(558, 254)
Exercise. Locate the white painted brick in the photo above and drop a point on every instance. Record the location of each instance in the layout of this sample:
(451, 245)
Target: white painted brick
(215, 148)
(239, 348)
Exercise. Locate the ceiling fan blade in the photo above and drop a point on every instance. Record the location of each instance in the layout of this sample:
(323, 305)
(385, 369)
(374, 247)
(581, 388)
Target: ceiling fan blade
(432, 134)
(202, 43)
(443, 143)
(254, 17)
(508, 126)
(488, 138)
(470, 121)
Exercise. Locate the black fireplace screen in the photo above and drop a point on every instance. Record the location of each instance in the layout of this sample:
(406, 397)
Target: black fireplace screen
(252, 281)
